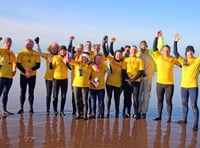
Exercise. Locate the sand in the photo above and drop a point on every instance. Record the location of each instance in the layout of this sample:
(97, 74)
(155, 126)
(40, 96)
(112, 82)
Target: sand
(42, 131)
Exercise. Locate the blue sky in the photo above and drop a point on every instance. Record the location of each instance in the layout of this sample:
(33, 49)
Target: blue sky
(130, 21)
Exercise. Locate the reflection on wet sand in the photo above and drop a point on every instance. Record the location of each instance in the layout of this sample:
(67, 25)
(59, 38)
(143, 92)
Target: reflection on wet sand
(50, 131)
(5, 140)
(26, 138)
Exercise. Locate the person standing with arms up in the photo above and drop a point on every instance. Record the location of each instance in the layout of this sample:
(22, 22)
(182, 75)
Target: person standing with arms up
(28, 62)
(7, 71)
(82, 72)
(114, 77)
(189, 81)
(52, 51)
(60, 79)
(165, 77)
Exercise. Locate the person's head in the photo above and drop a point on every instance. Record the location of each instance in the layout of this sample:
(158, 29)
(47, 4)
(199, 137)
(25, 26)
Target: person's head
(118, 55)
(88, 45)
(62, 50)
(96, 48)
(143, 46)
(189, 51)
(166, 50)
(84, 57)
(7, 43)
(127, 50)
(98, 59)
(29, 44)
(79, 49)
(133, 50)
(53, 48)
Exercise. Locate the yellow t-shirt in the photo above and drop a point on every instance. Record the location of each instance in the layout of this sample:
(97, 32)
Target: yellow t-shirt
(100, 75)
(165, 68)
(8, 63)
(28, 59)
(190, 72)
(115, 78)
(133, 65)
(81, 74)
(76, 57)
(49, 72)
(60, 68)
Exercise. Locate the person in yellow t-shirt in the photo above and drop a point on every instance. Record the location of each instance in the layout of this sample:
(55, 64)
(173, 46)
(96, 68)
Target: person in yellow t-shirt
(189, 81)
(165, 77)
(60, 79)
(28, 62)
(7, 71)
(126, 52)
(82, 71)
(114, 77)
(52, 51)
(132, 70)
(76, 54)
(97, 86)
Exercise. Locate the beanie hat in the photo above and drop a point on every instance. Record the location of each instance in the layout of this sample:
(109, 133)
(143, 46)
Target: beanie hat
(144, 43)
(62, 47)
(85, 54)
(189, 48)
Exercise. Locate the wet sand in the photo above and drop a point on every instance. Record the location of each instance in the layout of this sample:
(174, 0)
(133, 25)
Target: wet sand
(40, 130)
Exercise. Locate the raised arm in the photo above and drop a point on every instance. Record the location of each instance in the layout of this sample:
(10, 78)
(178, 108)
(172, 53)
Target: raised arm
(111, 46)
(105, 45)
(155, 43)
(70, 46)
(175, 49)
(37, 41)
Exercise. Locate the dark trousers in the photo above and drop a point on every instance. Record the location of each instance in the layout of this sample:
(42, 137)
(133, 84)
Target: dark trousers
(117, 92)
(24, 82)
(49, 86)
(166, 90)
(5, 85)
(191, 93)
(81, 100)
(94, 95)
(128, 92)
(57, 85)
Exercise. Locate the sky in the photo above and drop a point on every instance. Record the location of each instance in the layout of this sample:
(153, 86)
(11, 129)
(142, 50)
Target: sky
(129, 21)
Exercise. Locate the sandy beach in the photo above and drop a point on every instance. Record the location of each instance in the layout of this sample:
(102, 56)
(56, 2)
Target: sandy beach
(40, 130)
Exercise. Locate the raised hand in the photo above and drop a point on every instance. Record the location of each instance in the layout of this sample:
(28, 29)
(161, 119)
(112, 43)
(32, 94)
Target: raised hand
(71, 38)
(105, 39)
(37, 40)
(113, 39)
(177, 37)
(50, 58)
(159, 33)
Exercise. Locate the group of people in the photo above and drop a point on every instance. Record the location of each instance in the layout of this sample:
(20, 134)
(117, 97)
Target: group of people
(98, 75)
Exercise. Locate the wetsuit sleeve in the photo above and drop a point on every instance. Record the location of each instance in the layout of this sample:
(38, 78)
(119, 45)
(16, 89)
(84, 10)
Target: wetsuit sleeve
(37, 66)
(176, 54)
(21, 68)
(155, 43)
(111, 49)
